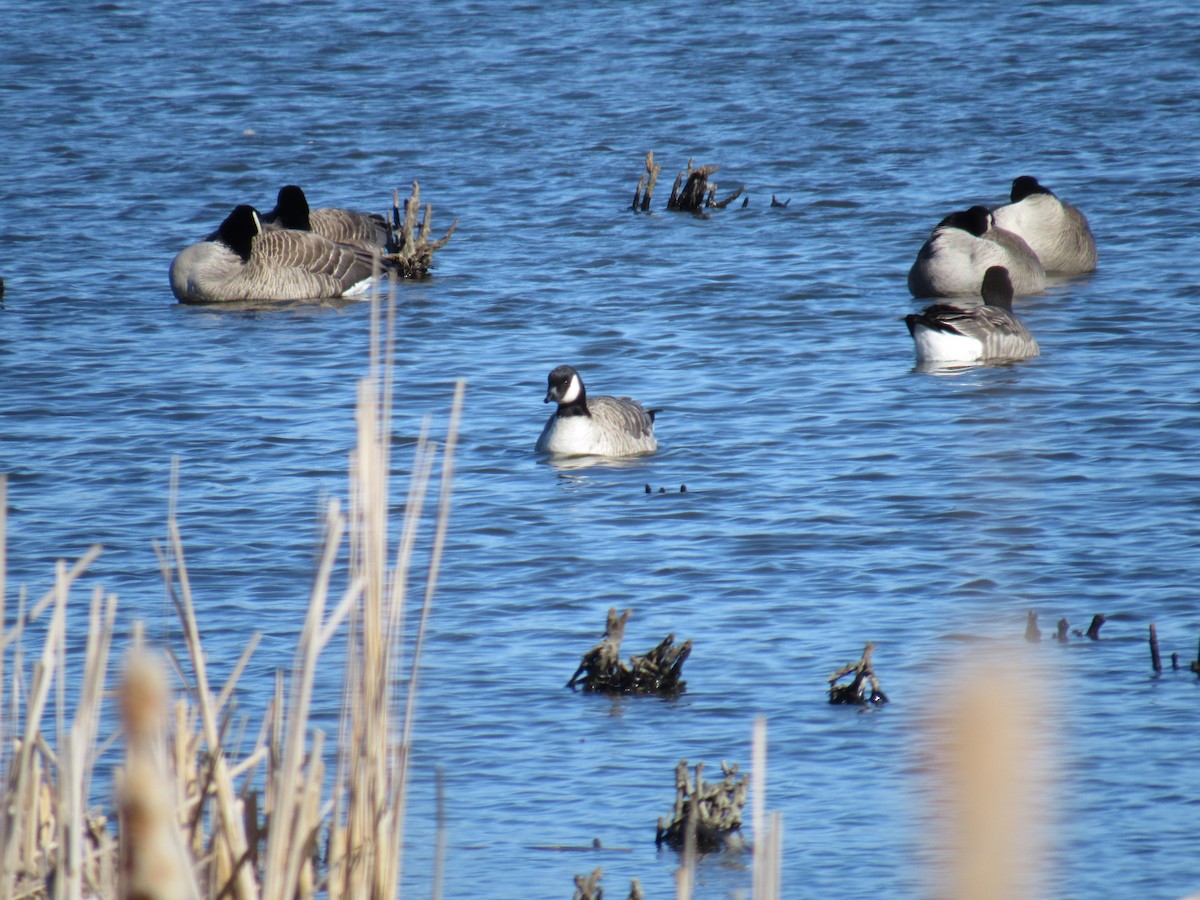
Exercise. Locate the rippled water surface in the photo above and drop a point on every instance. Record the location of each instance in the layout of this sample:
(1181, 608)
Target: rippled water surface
(835, 495)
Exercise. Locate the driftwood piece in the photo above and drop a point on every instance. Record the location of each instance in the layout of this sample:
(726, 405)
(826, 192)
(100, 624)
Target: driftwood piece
(657, 672)
(711, 814)
(1033, 634)
(409, 245)
(855, 693)
(1155, 659)
(692, 191)
(1093, 631)
(587, 887)
(649, 179)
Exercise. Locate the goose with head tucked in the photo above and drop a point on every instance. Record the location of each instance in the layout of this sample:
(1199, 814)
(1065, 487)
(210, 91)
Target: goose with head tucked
(242, 261)
(962, 247)
(973, 333)
(346, 226)
(1058, 232)
(596, 426)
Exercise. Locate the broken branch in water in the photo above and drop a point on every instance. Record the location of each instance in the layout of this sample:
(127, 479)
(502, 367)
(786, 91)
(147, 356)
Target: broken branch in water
(694, 195)
(409, 246)
(657, 672)
(856, 691)
(714, 811)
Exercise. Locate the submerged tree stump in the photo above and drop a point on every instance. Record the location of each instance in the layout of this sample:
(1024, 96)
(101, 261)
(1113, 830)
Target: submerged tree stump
(709, 814)
(693, 195)
(587, 887)
(409, 245)
(657, 672)
(856, 692)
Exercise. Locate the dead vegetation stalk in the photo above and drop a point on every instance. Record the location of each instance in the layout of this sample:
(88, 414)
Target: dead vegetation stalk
(190, 821)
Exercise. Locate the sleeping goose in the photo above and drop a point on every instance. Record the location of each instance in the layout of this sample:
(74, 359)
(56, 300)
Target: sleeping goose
(242, 261)
(961, 248)
(969, 333)
(1057, 231)
(345, 226)
(599, 426)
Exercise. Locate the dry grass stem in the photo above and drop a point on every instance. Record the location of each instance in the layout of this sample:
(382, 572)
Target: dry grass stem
(191, 823)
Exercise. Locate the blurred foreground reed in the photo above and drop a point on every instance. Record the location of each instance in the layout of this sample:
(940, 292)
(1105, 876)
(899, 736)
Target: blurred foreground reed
(192, 817)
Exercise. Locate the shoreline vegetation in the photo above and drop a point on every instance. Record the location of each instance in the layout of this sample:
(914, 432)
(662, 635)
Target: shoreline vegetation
(193, 817)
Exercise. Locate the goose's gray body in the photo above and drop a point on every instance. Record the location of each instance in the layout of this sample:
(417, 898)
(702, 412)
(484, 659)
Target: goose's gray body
(345, 226)
(1058, 232)
(967, 333)
(962, 247)
(245, 262)
(596, 426)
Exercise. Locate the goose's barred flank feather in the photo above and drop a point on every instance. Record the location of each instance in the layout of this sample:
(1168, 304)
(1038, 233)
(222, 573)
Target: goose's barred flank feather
(345, 226)
(244, 262)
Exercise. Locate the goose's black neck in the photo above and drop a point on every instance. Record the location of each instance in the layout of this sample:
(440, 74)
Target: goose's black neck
(577, 407)
(291, 209)
(238, 231)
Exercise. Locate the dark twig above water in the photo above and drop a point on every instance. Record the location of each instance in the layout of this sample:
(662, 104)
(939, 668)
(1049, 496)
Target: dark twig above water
(657, 672)
(855, 692)
(714, 811)
(410, 247)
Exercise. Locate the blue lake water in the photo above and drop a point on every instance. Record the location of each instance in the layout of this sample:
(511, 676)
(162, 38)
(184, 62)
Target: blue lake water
(835, 495)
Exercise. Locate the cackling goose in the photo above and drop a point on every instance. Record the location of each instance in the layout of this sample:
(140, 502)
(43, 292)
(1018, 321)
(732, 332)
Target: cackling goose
(599, 426)
(949, 333)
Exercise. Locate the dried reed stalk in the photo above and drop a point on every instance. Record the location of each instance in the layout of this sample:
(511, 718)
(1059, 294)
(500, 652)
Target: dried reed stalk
(768, 838)
(42, 818)
(185, 829)
(369, 807)
(229, 831)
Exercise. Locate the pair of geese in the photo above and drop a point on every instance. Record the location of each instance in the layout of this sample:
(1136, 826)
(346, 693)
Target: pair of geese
(291, 253)
(994, 255)
(979, 253)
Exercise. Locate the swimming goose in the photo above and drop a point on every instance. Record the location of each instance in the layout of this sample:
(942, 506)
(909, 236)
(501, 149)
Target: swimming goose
(366, 230)
(243, 261)
(947, 333)
(1057, 231)
(963, 245)
(599, 426)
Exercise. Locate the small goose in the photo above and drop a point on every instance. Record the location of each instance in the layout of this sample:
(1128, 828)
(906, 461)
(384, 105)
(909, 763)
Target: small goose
(1057, 231)
(597, 426)
(963, 245)
(946, 333)
(242, 261)
(366, 230)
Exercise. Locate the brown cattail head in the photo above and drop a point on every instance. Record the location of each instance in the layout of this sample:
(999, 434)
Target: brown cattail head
(143, 699)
